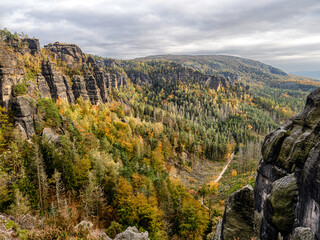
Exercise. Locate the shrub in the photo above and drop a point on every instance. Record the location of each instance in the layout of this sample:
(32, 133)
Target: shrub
(47, 233)
(20, 89)
(50, 112)
(114, 229)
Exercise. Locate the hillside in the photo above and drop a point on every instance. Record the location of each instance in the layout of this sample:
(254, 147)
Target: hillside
(124, 143)
(235, 68)
(272, 88)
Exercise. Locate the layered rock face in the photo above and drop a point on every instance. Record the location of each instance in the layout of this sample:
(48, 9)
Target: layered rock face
(287, 188)
(11, 73)
(64, 72)
(288, 182)
(97, 77)
(69, 53)
(24, 109)
(57, 82)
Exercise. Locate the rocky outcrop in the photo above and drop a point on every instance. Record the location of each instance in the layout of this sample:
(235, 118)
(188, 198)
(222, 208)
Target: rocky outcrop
(139, 78)
(116, 79)
(24, 45)
(287, 187)
(216, 82)
(101, 83)
(102, 75)
(93, 89)
(11, 73)
(132, 233)
(238, 219)
(32, 44)
(66, 73)
(23, 108)
(79, 87)
(282, 200)
(286, 193)
(43, 87)
(69, 53)
(176, 73)
(57, 82)
(48, 135)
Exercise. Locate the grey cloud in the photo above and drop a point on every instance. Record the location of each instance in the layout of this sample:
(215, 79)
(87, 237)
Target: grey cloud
(262, 30)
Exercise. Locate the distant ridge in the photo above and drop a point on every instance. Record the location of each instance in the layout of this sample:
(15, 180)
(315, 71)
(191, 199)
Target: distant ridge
(236, 68)
(310, 74)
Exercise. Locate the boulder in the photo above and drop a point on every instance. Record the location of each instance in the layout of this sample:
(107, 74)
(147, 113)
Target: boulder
(49, 135)
(20, 131)
(132, 233)
(84, 225)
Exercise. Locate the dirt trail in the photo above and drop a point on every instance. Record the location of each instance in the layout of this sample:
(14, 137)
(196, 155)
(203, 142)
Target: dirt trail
(225, 168)
(219, 177)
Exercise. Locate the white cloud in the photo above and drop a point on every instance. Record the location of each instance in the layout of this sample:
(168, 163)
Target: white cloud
(279, 32)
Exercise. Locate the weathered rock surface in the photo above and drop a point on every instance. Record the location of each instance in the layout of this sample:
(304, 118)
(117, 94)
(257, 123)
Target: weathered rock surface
(79, 87)
(132, 233)
(23, 108)
(43, 87)
(287, 188)
(49, 135)
(66, 73)
(33, 45)
(93, 89)
(20, 131)
(57, 82)
(238, 219)
(11, 73)
(69, 53)
(302, 233)
(218, 231)
(24, 45)
(283, 199)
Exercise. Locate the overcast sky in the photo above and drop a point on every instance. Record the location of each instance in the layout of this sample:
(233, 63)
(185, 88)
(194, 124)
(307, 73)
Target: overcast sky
(283, 33)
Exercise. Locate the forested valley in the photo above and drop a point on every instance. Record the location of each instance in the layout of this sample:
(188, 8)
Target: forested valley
(145, 155)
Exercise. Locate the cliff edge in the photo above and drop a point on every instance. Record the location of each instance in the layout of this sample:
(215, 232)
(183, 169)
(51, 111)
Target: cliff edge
(287, 189)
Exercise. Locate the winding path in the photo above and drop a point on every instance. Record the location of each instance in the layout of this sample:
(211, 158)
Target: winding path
(219, 177)
(225, 168)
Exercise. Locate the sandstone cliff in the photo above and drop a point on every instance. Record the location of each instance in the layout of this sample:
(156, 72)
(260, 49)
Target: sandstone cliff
(287, 189)
(63, 71)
